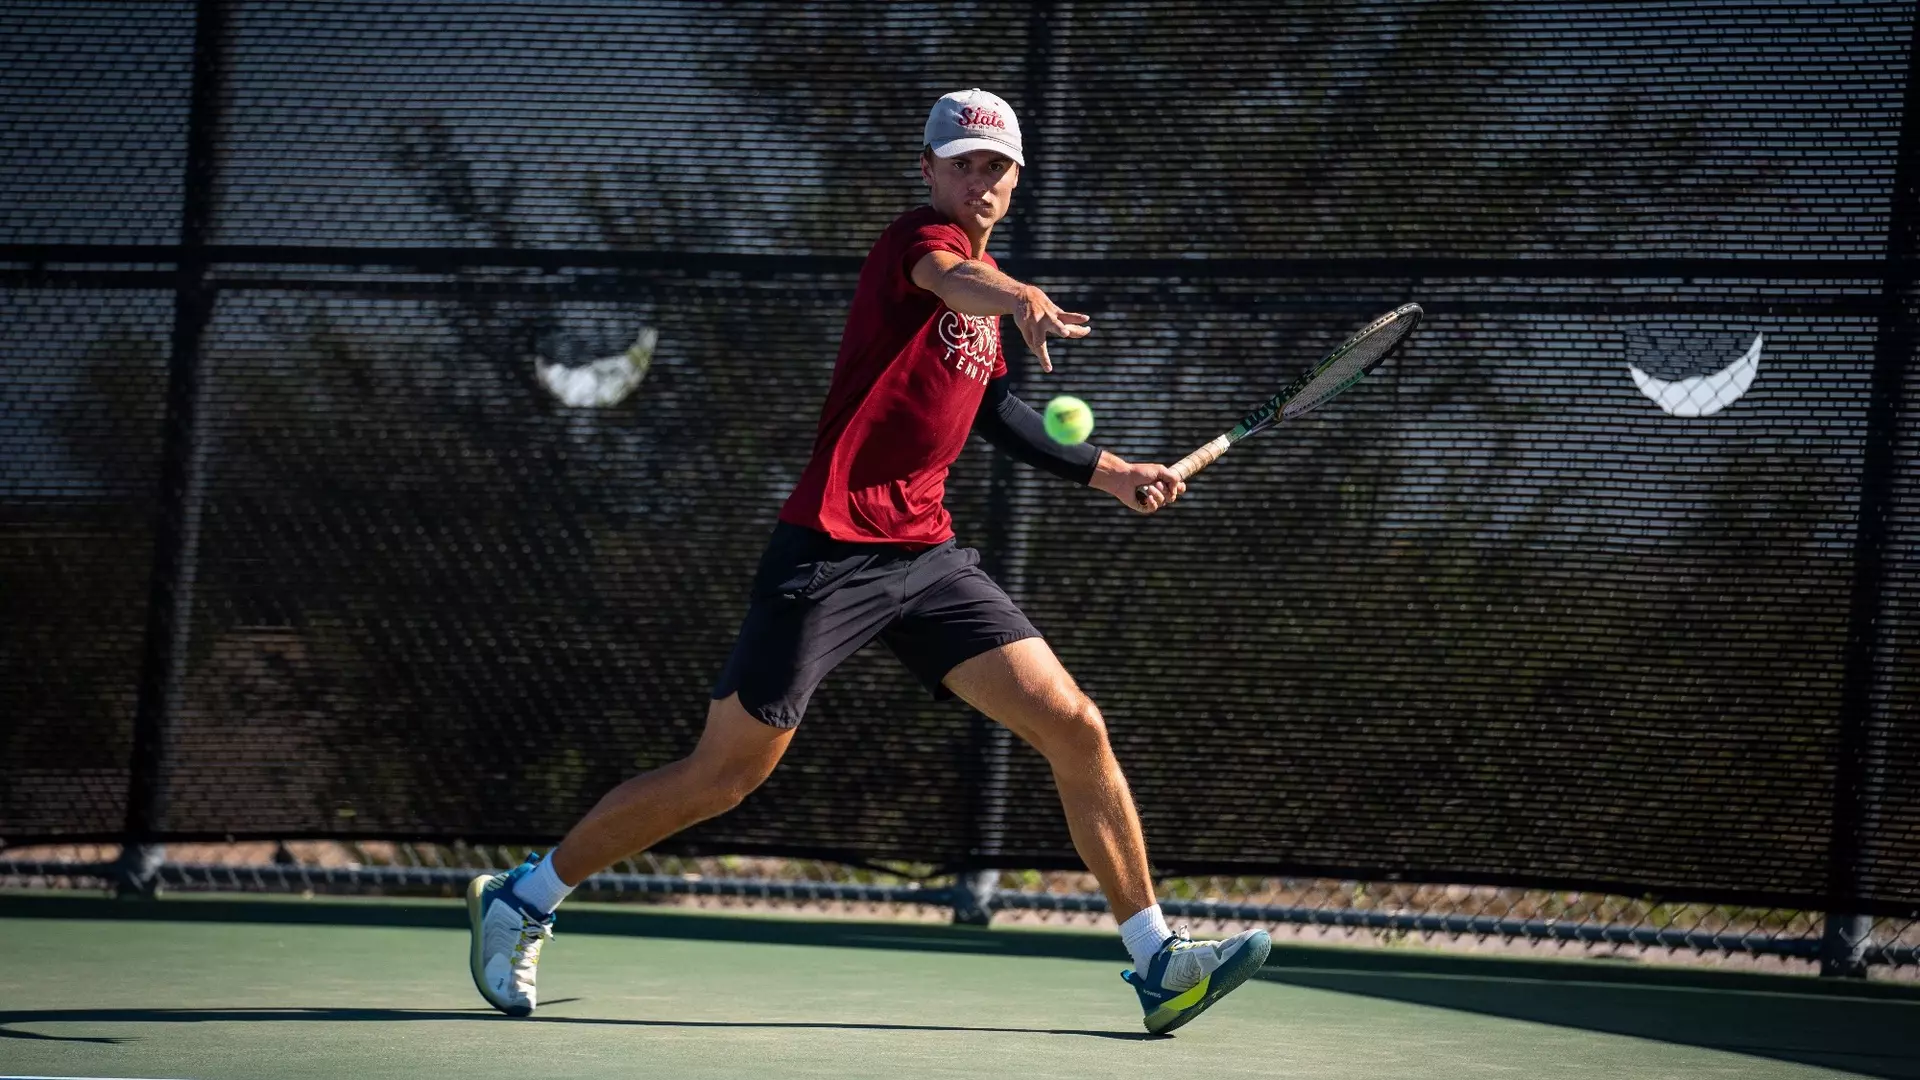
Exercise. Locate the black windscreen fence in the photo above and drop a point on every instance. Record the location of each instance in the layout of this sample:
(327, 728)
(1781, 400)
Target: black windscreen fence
(1610, 579)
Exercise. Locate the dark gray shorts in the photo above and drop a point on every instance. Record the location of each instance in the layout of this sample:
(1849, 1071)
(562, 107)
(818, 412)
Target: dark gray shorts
(815, 601)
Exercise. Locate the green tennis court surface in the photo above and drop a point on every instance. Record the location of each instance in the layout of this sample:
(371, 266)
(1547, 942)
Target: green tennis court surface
(259, 987)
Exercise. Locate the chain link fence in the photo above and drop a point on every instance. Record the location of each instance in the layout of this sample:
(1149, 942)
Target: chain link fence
(1370, 914)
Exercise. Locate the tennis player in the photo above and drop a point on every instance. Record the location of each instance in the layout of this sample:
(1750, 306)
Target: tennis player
(865, 549)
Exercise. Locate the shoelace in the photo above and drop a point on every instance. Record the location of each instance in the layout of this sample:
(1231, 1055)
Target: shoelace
(1183, 942)
(532, 936)
(1182, 938)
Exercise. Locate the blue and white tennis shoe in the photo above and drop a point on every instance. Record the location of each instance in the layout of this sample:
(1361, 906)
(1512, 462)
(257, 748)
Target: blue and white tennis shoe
(507, 938)
(1186, 977)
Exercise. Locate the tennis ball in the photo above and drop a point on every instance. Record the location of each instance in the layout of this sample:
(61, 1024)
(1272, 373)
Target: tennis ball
(1069, 420)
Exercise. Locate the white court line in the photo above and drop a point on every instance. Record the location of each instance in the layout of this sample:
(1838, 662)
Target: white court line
(78, 1078)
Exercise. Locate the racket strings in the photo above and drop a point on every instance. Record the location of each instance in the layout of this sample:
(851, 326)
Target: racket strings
(1346, 367)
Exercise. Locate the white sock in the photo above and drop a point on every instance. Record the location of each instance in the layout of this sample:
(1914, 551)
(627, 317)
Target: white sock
(542, 890)
(1143, 935)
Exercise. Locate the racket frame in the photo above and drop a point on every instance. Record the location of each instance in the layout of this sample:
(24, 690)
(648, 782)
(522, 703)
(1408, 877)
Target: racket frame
(1274, 409)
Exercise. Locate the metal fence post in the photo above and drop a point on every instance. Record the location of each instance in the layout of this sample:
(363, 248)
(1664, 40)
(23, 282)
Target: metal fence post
(177, 515)
(1843, 946)
(1845, 942)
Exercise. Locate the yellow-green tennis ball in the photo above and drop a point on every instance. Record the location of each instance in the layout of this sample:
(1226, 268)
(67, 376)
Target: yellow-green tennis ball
(1069, 420)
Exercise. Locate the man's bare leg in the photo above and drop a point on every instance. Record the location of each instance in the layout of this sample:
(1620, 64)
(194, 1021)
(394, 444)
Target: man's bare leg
(511, 914)
(736, 753)
(1024, 687)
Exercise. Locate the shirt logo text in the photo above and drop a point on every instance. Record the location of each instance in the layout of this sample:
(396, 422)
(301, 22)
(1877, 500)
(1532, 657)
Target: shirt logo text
(972, 341)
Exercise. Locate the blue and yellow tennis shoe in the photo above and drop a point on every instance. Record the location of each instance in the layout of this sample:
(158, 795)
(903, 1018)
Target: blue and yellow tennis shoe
(1186, 977)
(507, 937)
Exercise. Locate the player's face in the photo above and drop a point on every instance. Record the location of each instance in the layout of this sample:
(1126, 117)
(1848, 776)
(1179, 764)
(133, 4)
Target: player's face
(974, 189)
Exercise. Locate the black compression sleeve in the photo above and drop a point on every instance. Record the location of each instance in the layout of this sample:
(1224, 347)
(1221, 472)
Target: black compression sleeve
(1013, 426)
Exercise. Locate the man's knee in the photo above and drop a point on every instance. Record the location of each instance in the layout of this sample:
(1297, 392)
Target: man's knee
(734, 757)
(1076, 729)
(720, 783)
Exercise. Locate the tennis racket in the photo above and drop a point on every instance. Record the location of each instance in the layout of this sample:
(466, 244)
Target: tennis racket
(1342, 367)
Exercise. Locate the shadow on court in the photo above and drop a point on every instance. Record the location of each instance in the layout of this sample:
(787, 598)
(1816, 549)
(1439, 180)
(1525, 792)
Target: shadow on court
(267, 1014)
(1870, 1029)
(1869, 1035)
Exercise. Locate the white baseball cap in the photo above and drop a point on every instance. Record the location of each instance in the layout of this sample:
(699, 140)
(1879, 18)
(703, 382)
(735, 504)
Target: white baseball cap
(968, 120)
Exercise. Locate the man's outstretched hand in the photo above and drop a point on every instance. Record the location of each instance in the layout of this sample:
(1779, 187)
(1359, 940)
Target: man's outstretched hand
(1040, 318)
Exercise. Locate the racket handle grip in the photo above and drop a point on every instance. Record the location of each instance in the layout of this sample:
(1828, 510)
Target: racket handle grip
(1192, 463)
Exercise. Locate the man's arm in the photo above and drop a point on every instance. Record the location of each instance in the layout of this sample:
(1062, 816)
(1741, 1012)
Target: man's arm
(971, 287)
(1013, 426)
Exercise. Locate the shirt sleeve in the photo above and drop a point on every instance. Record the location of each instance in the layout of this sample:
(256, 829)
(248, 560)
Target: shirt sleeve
(1012, 425)
(929, 238)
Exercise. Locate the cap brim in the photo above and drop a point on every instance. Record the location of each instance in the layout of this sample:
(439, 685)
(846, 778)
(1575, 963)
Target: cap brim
(968, 146)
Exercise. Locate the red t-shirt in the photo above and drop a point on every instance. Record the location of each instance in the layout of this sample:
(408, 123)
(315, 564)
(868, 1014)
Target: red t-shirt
(909, 378)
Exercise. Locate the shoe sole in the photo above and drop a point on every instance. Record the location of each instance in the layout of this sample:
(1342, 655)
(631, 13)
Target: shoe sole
(1228, 978)
(476, 964)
